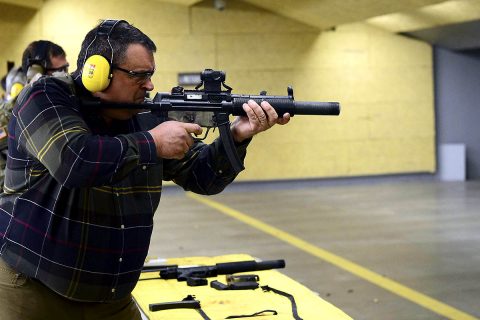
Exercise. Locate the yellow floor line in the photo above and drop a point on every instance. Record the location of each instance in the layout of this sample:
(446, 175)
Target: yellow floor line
(364, 273)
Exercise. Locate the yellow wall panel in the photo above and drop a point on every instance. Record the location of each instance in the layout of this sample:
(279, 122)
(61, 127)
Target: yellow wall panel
(343, 48)
(240, 17)
(394, 50)
(273, 160)
(262, 51)
(383, 81)
(390, 156)
(18, 25)
(185, 52)
(409, 83)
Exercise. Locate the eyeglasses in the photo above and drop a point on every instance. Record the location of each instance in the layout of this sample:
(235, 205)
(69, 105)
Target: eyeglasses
(63, 68)
(140, 76)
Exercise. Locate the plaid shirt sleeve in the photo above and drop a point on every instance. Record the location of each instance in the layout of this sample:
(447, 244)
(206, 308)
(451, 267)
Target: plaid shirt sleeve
(205, 169)
(52, 131)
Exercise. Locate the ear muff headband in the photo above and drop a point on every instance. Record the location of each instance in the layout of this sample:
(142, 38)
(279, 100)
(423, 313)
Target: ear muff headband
(96, 71)
(39, 56)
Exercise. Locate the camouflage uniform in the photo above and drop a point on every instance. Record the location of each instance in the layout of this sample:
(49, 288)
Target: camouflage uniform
(5, 114)
(14, 83)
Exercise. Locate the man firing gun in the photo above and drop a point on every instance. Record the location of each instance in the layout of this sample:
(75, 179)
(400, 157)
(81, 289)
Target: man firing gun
(83, 184)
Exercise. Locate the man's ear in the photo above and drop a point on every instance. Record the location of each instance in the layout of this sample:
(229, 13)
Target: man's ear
(102, 95)
(98, 94)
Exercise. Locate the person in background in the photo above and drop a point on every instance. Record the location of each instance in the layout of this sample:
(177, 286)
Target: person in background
(43, 57)
(82, 184)
(40, 58)
(14, 82)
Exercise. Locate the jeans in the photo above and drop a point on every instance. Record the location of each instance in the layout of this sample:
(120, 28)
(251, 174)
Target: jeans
(27, 299)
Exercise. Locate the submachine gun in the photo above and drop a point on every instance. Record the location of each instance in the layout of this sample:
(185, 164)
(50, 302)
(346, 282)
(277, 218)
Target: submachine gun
(211, 107)
(197, 275)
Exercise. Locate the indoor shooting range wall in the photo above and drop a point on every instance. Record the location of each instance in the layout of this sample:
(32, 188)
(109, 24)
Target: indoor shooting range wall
(383, 81)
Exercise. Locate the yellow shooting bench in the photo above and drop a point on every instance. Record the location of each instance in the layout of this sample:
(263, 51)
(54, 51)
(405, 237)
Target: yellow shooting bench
(217, 304)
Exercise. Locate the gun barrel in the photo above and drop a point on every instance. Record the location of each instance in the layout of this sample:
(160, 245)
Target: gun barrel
(247, 266)
(317, 108)
(285, 104)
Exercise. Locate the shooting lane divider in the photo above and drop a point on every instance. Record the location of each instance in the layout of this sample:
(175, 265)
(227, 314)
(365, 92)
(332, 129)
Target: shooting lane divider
(381, 281)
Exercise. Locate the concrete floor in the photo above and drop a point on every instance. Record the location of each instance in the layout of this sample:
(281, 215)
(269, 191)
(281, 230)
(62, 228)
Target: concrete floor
(422, 233)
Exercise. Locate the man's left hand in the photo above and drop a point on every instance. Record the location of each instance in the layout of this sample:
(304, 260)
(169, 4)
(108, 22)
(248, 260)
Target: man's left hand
(259, 118)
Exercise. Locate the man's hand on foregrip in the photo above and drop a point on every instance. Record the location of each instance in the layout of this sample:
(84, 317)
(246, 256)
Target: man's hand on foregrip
(259, 118)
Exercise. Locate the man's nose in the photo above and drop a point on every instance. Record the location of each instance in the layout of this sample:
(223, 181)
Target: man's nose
(148, 85)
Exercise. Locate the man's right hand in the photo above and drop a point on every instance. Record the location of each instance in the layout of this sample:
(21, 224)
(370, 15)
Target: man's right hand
(173, 139)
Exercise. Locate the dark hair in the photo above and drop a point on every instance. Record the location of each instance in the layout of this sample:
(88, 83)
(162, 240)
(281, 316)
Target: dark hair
(121, 36)
(41, 52)
(4, 83)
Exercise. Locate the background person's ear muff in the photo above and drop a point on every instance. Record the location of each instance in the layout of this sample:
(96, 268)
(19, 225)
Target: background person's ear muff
(97, 70)
(15, 81)
(36, 65)
(34, 72)
(15, 91)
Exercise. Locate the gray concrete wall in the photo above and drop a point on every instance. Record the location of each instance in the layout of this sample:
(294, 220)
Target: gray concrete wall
(457, 95)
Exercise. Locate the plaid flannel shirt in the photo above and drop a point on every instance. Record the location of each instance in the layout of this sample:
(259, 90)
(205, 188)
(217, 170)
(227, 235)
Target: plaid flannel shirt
(77, 210)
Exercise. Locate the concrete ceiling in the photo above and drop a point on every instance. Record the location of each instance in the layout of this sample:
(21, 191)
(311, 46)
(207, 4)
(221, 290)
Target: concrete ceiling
(32, 4)
(435, 15)
(395, 16)
(459, 36)
(182, 2)
(325, 14)
(452, 23)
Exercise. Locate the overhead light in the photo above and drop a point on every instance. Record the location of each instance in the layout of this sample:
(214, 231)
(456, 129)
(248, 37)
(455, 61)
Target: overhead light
(219, 4)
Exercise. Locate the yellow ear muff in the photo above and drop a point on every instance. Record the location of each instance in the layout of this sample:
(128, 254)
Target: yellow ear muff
(96, 73)
(16, 88)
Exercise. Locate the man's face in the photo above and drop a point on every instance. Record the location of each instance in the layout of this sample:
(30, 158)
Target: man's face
(58, 64)
(129, 88)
